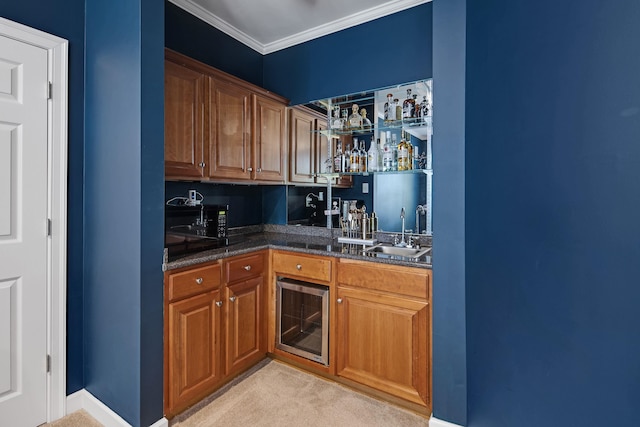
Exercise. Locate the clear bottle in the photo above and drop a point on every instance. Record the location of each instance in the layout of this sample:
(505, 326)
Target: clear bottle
(398, 106)
(380, 152)
(354, 159)
(366, 123)
(394, 152)
(424, 108)
(362, 157)
(389, 111)
(403, 154)
(355, 119)
(345, 119)
(387, 157)
(336, 123)
(372, 157)
(410, 148)
(337, 159)
(346, 164)
(408, 107)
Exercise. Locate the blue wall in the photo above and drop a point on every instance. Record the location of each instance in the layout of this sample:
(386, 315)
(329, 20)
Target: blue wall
(65, 18)
(193, 37)
(123, 207)
(360, 58)
(552, 209)
(449, 336)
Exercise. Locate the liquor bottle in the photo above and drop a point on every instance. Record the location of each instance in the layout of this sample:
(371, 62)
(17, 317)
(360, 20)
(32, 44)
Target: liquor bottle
(408, 107)
(424, 108)
(416, 106)
(410, 148)
(354, 159)
(394, 152)
(337, 159)
(366, 123)
(336, 123)
(372, 157)
(346, 164)
(345, 119)
(398, 106)
(387, 157)
(403, 154)
(362, 157)
(379, 148)
(389, 111)
(355, 119)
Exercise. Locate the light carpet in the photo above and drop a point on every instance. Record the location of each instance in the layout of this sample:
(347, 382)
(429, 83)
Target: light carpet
(76, 419)
(277, 395)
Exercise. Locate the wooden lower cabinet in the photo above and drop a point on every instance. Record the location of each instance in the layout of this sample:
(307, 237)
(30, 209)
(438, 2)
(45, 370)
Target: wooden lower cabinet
(245, 343)
(214, 327)
(194, 349)
(384, 329)
(382, 343)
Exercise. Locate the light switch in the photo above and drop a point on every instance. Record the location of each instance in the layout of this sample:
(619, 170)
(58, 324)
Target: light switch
(365, 187)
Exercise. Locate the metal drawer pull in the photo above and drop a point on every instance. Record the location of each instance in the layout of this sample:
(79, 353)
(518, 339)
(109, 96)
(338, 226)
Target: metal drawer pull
(199, 280)
(339, 301)
(247, 267)
(232, 298)
(299, 267)
(219, 303)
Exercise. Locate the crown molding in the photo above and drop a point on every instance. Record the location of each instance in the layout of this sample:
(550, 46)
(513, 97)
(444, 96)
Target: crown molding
(304, 36)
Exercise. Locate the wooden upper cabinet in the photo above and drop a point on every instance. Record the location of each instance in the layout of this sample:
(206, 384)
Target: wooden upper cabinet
(185, 105)
(269, 143)
(302, 145)
(219, 127)
(230, 131)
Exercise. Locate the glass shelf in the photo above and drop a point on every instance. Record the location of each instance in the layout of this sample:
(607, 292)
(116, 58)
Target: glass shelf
(338, 174)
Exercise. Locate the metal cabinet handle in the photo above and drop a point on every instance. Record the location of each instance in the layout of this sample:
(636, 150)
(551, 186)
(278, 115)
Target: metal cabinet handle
(199, 280)
(299, 267)
(201, 164)
(219, 303)
(259, 170)
(339, 301)
(232, 298)
(247, 267)
(250, 169)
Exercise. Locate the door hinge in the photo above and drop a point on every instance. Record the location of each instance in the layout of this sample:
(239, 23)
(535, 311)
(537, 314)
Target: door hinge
(48, 363)
(49, 226)
(50, 91)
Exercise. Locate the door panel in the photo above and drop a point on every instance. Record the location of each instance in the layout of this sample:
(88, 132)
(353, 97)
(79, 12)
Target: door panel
(270, 137)
(23, 237)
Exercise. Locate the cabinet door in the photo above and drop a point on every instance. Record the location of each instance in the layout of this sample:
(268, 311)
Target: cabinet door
(245, 343)
(184, 109)
(322, 150)
(230, 131)
(193, 349)
(269, 149)
(301, 146)
(383, 343)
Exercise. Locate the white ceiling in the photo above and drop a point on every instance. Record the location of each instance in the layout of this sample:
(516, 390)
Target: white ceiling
(270, 25)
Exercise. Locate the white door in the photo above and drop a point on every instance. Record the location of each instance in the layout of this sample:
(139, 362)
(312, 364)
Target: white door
(23, 233)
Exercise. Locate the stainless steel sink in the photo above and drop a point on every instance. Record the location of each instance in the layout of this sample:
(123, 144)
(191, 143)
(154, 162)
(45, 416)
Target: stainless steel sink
(398, 251)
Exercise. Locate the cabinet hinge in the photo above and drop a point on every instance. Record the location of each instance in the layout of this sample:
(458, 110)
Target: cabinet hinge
(49, 226)
(50, 91)
(48, 363)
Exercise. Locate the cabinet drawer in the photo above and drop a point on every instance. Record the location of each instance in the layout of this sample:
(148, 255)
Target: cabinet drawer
(304, 266)
(244, 267)
(193, 281)
(408, 281)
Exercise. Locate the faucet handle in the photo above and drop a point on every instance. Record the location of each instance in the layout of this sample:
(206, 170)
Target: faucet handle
(396, 240)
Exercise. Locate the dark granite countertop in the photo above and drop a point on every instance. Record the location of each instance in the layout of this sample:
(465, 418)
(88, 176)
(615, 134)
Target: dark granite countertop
(314, 241)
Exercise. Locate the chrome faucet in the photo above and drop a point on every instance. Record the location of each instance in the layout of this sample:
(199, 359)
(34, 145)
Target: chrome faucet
(402, 243)
(419, 210)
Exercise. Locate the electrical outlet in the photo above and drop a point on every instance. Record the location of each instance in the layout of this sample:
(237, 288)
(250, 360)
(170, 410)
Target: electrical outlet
(321, 196)
(307, 201)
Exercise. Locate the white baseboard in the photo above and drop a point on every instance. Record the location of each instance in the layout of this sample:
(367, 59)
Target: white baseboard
(82, 399)
(434, 422)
